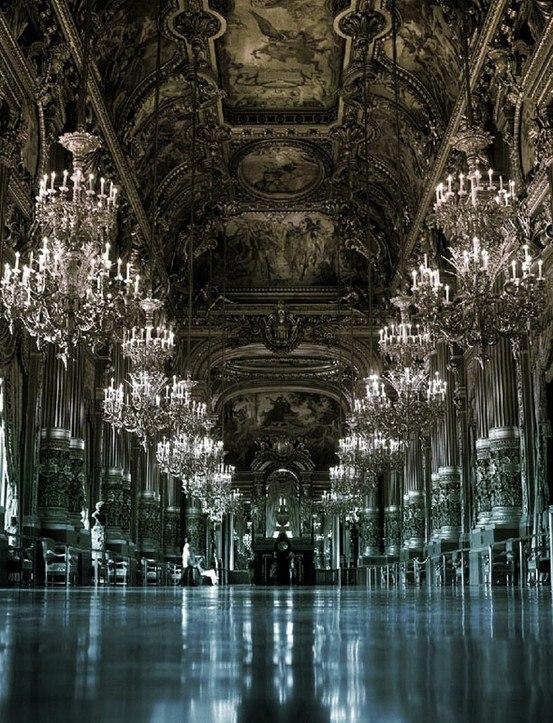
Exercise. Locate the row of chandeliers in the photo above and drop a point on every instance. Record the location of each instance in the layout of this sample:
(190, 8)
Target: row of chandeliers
(495, 290)
(72, 292)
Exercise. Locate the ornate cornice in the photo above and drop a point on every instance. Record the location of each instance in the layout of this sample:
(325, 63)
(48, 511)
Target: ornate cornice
(489, 27)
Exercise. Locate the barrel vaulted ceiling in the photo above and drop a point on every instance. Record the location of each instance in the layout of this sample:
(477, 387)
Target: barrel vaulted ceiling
(281, 132)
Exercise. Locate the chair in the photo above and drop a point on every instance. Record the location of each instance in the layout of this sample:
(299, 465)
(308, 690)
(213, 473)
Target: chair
(174, 573)
(150, 572)
(118, 571)
(60, 563)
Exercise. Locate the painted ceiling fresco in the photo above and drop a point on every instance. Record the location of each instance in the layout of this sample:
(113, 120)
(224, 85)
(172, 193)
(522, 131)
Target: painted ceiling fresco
(283, 249)
(280, 169)
(254, 417)
(280, 54)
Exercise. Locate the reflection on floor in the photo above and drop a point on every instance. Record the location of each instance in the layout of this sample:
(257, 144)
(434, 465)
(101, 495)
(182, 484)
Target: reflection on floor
(241, 654)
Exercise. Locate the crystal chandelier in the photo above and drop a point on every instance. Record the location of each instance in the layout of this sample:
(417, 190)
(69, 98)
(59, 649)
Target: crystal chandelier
(405, 342)
(139, 406)
(341, 503)
(491, 296)
(524, 297)
(70, 290)
(402, 401)
(474, 204)
(149, 347)
(189, 457)
(216, 495)
(370, 454)
(42, 296)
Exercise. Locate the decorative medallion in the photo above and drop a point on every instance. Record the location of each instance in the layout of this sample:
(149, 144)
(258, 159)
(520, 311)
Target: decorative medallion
(280, 170)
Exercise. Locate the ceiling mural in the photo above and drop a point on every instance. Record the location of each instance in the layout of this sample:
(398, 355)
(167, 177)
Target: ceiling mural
(254, 417)
(426, 49)
(280, 170)
(280, 54)
(282, 249)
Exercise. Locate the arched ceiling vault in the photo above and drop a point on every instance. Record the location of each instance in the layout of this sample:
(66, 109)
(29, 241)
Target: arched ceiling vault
(289, 202)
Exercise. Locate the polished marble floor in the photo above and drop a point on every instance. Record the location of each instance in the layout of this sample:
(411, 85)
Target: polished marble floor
(255, 654)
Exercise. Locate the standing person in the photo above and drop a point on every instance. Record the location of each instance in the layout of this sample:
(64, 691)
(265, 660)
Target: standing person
(186, 574)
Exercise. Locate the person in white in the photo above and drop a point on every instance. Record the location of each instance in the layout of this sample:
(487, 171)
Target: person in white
(185, 555)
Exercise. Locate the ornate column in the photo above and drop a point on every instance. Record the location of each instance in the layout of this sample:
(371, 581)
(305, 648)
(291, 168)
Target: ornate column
(436, 445)
(449, 470)
(30, 466)
(112, 486)
(413, 499)
(504, 439)
(149, 512)
(260, 517)
(76, 487)
(527, 425)
(112, 473)
(370, 533)
(171, 520)
(126, 512)
(392, 531)
(194, 526)
(54, 466)
(306, 507)
(460, 394)
(482, 488)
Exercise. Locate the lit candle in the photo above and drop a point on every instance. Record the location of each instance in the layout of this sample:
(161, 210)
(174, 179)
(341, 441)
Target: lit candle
(461, 184)
(90, 182)
(540, 269)
(490, 179)
(446, 294)
(514, 268)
